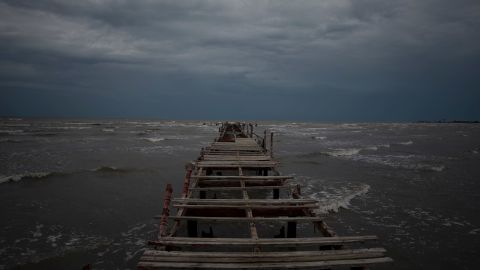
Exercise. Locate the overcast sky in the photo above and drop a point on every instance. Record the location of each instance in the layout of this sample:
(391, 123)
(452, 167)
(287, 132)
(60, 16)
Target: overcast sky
(323, 60)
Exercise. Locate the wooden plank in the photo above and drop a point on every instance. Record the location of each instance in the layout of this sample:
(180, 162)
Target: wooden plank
(243, 188)
(234, 177)
(233, 183)
(237, 163)
(234, 152)
(275, 254)
(260, 265)
(236, 158)
(252, 206)
(246, 219)
(249, 257)
(336, 240)
(235, 147)
(245, 201)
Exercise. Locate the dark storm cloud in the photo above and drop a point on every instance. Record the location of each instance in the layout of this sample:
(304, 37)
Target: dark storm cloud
(332, 59)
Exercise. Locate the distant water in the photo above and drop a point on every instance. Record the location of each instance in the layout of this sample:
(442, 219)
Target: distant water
(74, 192)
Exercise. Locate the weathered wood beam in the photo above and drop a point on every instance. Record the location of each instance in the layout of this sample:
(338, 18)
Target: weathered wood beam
(245, 219)
(260, 265)
(246, 201)
(245, 206)
(271, 177)
(264, 241)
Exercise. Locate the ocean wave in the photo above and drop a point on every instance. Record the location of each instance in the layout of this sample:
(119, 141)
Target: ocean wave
(110, 169)
(409, 162)
(32, 175)
(406, 143)
(67, 128)
(11, 131)
(8, 140)
(108, 130)
(155, 139)
(159, 139)
(319, 137)
(343, 201)
(332, 196)
(343, 152)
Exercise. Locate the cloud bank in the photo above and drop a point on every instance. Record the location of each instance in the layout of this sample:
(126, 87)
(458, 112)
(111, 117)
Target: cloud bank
(314, 60)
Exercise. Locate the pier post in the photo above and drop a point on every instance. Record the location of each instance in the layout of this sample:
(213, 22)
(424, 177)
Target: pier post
(165, 212)
(271, 144)
(186, 180)
(264, 142)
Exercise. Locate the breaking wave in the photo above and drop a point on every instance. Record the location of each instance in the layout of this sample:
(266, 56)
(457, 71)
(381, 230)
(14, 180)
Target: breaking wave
(11, 131)
(33, 175)
(155, 139)
(159, 139)
(343, 201)
(332, 196)
(409, 162)
(109, 169)
(406, 143)
(346, 152)
(343, 152)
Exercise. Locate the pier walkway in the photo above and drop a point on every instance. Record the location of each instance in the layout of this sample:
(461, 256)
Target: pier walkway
(252, 216)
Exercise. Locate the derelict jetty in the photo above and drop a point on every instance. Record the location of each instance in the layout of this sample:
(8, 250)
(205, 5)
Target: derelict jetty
(249, 216)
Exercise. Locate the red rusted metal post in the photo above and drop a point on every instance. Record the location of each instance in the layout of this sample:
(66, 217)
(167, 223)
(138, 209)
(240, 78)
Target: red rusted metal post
(186, 181)
(165, 212)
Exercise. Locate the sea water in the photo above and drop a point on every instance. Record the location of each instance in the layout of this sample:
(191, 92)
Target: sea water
(76, 192)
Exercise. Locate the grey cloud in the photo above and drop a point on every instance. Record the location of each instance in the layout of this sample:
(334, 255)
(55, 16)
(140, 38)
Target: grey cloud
(157, 49)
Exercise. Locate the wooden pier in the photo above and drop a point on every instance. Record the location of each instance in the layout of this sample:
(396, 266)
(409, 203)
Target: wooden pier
(239, 167)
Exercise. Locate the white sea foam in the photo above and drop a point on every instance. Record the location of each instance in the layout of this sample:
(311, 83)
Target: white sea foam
(344, 152)
(108, 130)
(155, 139)
(38, 231)
(18, 177)
(342, 201)
(11, 131)
(349, 152)
(406, 143)
(320, 137)
(67, 127)
(409, 162)
(332, 196)
(475, 231)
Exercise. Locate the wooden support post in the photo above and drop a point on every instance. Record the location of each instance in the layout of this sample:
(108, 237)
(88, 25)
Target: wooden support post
(192, 228)
(271, 144)
(165, 212)
(291, 229)
(264, 142)
(276, 193)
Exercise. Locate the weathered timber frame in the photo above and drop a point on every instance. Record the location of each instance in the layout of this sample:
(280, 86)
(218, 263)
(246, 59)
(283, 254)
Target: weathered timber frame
(250, 166)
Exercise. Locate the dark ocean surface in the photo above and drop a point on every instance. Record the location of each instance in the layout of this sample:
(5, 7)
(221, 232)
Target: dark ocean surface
(74, 192)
